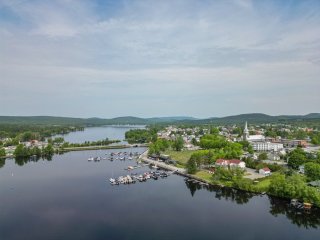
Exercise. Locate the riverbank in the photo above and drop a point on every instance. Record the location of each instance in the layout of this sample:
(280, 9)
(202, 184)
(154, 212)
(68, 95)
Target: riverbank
(259, 186)
(100, 147)
(86, 148)
(178, 170)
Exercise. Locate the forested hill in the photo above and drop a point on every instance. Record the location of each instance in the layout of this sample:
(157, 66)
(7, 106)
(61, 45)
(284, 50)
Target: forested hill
(251, 117)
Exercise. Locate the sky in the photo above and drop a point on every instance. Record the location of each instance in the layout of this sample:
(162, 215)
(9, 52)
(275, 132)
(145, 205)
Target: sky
(146, 58)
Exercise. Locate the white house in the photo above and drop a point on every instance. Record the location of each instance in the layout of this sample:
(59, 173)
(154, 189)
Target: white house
(230, 163)
(265, 171)
(301, 169)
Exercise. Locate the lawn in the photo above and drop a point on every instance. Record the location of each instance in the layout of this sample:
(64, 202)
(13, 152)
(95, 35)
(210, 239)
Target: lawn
(204, 175)
(262, 185)
(181, 157)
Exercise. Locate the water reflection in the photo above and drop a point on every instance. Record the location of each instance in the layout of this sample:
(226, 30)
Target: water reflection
(278, 206)
(305, 219)
(23, 161)
(2, 162)
(234, 195)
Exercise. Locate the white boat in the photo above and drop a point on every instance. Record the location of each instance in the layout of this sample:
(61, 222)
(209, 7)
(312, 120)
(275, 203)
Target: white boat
(155, 167)
(130, 168)
(90, 159)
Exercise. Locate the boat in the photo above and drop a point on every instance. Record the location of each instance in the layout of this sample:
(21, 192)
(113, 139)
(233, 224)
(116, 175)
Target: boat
(130, 168)
(113, 181)
(154, 166)
(90, 159)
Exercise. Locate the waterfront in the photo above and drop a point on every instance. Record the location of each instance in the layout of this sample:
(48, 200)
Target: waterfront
(71, 198)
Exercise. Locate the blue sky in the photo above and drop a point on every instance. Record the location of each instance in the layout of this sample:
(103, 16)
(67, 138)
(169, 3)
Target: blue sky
(159, 58)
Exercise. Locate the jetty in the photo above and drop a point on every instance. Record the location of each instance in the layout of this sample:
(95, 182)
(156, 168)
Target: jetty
(179, 171)
(144, 158)
(85, 148)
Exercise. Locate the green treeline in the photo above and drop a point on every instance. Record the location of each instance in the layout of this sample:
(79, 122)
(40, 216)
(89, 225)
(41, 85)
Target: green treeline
(142, 135)
(293, 186)
(298, 157)
(22, 151)
(88, 143)
(23, 132)
(215, 147)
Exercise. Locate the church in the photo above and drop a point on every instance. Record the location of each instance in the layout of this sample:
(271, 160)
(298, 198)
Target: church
(259, 142)
(251, 138)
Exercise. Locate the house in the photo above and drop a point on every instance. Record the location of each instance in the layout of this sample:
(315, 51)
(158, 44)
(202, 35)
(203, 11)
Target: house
(230, 163)
(315, 184)
(222, 163)
(301, 169)
(265, 171)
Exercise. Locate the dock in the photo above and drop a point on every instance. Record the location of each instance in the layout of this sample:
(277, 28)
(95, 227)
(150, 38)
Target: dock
(179, 171)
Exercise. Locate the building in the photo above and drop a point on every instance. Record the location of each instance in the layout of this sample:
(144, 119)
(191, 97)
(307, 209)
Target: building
(265, 171)
(230, 163)
(253, 138)
(267, 146)
(256, 138)
(301, 169)
(288, 143)
(245, 133)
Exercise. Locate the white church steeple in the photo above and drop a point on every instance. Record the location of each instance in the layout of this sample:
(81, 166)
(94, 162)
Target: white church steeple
(246, 132)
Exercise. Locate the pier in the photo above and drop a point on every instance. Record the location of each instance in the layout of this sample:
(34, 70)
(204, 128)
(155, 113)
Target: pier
(180, 171)
(144, 157)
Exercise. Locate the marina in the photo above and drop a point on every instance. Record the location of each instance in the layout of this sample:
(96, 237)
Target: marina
(122, 156)
(136, 177)
(73, 191)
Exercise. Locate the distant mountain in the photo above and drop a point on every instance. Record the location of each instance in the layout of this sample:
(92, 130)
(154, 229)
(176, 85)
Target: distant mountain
(127, 120)
(258, 118)
(312, 115)
(170, 119)
(41, 120)
(236, 119)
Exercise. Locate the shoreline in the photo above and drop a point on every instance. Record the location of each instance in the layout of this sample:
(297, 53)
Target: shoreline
(86, 148)
(182, 172)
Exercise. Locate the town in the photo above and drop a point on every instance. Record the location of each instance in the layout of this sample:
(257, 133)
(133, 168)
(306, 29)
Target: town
(250, 157)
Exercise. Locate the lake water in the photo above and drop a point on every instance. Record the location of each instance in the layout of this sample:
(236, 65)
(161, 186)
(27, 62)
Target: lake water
(99, 133)
(69, 197)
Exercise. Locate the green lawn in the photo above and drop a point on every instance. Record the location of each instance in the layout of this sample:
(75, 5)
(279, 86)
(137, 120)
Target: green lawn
(204, 175)
(182, 157)
(262, 185)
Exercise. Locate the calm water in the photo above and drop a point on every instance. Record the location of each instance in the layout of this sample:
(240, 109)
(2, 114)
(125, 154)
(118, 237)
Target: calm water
(99, 133)
(71, 198)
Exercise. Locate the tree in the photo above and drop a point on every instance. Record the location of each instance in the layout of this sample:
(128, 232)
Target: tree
(141, 135)
(214, 131)
(21, 151)
(194, 141)
(263, 156)
(247, 146)
(312, 171)
(178, 143)
(229, 174)
(60, 140)
(192, 166)
(2, 152)
(296, 158)
(212, 141)
(293, 187)
(48, 150)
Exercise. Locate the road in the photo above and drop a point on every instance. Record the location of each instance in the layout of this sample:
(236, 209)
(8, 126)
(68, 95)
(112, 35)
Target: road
(144, 158)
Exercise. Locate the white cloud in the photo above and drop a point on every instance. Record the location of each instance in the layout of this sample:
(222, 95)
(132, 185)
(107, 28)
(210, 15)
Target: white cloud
(183, 50)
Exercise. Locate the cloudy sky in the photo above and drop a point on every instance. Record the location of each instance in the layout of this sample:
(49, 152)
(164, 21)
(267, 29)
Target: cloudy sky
(149, 58)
